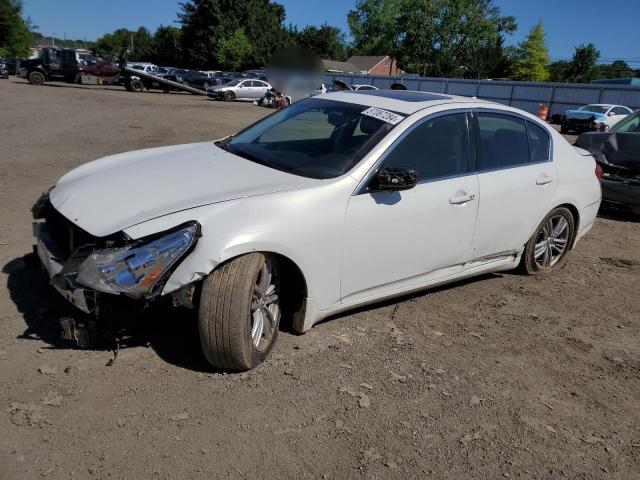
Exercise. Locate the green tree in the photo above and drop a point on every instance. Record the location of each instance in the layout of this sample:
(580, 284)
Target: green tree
(325, 41)
(559, 71)
(205, 23)
(374, 27)
(15, 35)
(582, 68)
(617, 69)
(139, 43)
(533, 58)
(166, 47)
(110, 44)
(461, 38)
(234, 50)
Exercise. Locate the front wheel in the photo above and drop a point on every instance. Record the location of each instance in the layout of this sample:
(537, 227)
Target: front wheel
(239, 312)
(36, 78)
(550, 243)
(229, 96)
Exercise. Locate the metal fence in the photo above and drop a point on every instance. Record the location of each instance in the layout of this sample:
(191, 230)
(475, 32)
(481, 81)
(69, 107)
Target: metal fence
(524, 95)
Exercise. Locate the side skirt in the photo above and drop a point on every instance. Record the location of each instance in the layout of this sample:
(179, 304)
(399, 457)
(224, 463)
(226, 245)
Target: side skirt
(471, 269)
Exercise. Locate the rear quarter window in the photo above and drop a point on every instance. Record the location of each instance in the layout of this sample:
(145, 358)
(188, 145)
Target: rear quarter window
(539, 143)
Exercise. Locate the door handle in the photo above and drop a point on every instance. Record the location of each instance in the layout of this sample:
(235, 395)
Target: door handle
(544, 180)
(461, 199)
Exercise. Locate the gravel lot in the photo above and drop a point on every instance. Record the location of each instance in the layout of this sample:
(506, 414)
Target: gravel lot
(501, 376)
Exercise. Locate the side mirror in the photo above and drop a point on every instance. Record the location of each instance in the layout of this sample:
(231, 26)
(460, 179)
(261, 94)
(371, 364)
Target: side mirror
(611, 114)
(395, 178)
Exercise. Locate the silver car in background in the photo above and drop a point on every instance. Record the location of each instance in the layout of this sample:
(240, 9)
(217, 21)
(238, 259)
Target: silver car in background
(239, 89)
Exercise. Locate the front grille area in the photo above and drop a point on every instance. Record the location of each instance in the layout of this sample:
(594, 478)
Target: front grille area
(66, 236)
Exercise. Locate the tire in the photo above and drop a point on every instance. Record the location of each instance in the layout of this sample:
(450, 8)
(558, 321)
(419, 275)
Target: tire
(36, 78)
(564, 129)
(238, 317)
(229, 96)
(544, 252)
(136, 86)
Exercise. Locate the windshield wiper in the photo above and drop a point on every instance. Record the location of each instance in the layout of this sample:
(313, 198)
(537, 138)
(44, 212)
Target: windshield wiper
(255, 158)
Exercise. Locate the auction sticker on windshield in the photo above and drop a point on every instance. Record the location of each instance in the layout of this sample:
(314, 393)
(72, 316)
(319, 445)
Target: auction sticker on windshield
(384, 115)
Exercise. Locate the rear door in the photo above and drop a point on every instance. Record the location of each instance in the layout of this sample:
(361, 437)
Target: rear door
(261, 88)
(517, 181)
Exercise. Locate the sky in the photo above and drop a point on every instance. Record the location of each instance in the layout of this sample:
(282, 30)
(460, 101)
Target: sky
(612, 25)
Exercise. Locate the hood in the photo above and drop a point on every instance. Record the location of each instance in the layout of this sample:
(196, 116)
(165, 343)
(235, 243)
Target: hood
(117, 192)
(585, 114)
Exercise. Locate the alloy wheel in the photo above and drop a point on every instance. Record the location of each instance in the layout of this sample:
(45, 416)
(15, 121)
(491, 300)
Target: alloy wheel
(265, 307)
(552, 242)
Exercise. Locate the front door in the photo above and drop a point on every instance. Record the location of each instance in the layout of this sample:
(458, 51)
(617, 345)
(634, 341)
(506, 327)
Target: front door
(397, 239)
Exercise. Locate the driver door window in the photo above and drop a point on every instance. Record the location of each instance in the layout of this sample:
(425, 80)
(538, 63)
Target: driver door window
(436, 149)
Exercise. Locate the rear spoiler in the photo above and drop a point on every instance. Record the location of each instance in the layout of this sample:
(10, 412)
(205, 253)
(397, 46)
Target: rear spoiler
(583, 152)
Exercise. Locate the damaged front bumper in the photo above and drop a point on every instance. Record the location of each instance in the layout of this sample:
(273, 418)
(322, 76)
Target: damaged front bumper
(93, 272)
(62, 278)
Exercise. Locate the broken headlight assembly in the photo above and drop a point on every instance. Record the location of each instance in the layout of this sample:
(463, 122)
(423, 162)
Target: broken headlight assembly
(135, 269)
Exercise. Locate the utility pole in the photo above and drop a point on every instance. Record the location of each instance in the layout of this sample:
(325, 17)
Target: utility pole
(131, 43)
(53, 39)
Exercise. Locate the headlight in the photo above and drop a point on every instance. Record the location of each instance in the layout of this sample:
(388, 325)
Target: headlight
(134, 270)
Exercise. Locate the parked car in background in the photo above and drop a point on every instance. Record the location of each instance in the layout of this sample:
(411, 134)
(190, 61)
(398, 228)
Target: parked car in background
(144, 66)
(363, 87)
(335, 202)
(99, 68)
(594, 117)
(161, 71)
(211, 73)
(618, 154)
(239, 89)
(193, 78)
(11, 65)
(259, 73)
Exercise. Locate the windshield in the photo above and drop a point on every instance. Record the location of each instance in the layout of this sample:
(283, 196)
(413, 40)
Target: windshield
(629, 124)
(594, 108)
(314, 138)
(232, 83)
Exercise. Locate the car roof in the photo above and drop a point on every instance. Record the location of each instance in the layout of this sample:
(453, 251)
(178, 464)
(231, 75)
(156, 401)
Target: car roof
(602, 105)
(403, 101)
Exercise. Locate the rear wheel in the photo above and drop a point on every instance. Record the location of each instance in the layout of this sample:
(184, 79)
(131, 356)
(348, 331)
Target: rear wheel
(239, 312)
(550, 243)
(229, 96)
(136, 86)
(36, 78)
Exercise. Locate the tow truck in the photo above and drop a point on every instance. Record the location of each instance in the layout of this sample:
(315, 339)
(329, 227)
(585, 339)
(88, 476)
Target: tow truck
(56, 63)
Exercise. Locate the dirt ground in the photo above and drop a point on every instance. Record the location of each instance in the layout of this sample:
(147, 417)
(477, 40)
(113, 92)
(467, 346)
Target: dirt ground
(504, 376)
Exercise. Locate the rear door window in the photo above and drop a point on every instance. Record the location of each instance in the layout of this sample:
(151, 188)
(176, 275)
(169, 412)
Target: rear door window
(502, 142)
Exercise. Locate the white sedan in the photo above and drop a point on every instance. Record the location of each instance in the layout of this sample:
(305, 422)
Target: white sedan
(598, 117)
(337, 201)
(239, 89)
